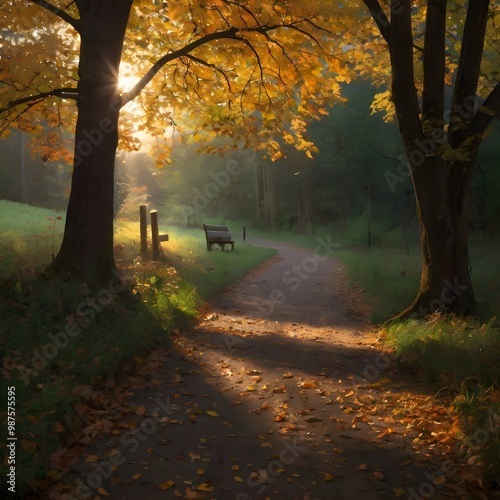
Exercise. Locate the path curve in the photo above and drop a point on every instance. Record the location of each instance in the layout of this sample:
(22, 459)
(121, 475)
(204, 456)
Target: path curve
(276, 394)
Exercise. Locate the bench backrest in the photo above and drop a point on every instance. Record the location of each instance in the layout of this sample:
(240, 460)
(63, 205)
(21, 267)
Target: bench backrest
(216, 233)
(215, 227)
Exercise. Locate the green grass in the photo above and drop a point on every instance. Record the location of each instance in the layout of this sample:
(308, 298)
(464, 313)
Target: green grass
(56, 336)
(209, 272)
(461, 355)
(30, 236)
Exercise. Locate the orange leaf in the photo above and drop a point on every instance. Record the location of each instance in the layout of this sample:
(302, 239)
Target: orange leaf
(205, 487)
(166, 486)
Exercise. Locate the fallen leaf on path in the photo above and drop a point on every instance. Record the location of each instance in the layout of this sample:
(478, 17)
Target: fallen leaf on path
(141, 410)
(308, 384)
(212, 413)
(399, 492)
(166, 486)
(205, 487)
(327, 477)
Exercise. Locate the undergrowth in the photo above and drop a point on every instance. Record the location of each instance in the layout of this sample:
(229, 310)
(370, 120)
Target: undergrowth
(462, 355)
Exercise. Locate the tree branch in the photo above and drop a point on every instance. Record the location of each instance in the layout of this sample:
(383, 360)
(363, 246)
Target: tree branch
(485, 114)
(139, 86)
(64, 93)
(404, 93)
(469, 65)
(434, 62)
(58, 12)
(201, 62)
(380, 18)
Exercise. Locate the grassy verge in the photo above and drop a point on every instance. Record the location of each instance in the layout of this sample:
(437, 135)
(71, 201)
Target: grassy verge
(30, 236)
(207, 272)
(462, 356)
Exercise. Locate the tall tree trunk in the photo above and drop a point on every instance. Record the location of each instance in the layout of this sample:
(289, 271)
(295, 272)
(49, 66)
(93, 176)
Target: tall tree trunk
(87, 247)
(442, 184)
(270, 214)
(445, 283)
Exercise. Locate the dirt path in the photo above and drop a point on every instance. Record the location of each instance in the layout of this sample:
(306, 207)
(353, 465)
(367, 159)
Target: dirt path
(278, 393)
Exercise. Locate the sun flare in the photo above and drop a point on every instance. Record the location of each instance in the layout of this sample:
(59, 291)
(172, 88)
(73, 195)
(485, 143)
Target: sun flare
(126, 78)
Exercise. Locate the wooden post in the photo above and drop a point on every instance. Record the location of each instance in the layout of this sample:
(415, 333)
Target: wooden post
(144, 229)
(155, 239)
(244, 233)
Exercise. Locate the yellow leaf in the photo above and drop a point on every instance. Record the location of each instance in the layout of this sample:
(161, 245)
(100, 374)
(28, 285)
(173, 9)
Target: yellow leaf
(141, 410)
(212, 413)
(136, 476)
(91, 458)
(102, 491)
(327, 476)
(266, 445)
(238, 479)
(235, 467)
(205, 487)
(166, 486)
(399, 492)
(200, 472)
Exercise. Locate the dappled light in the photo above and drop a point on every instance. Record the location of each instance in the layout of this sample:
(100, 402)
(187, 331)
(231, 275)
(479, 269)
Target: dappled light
(249, 250)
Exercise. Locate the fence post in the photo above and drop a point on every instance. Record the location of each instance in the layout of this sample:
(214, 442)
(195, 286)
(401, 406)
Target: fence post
(144, 229)
(155, 239)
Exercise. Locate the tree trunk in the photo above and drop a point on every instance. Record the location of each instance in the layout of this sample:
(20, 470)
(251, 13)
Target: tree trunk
(443, 196)
(442, 185)
(87, 247)
(259, 192)
(270, 214)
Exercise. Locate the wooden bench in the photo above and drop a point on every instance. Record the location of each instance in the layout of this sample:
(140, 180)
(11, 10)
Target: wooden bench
(218, 235)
